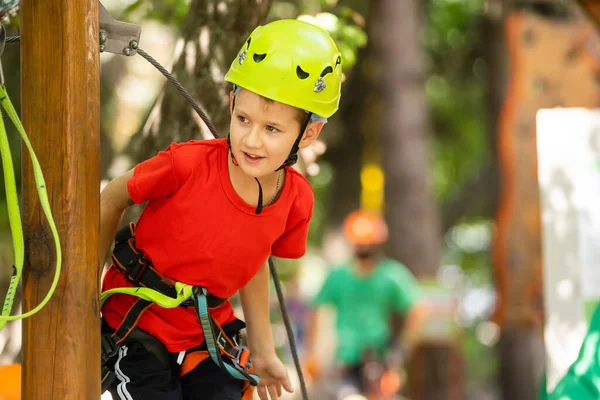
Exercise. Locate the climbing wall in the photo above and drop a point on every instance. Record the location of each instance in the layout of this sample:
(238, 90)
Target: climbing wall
(552, 63)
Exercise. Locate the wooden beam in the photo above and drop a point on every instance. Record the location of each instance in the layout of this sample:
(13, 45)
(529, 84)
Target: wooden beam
(592, 9)
(60, 111)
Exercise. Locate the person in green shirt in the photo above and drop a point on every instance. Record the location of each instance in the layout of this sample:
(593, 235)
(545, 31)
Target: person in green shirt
(366, 292)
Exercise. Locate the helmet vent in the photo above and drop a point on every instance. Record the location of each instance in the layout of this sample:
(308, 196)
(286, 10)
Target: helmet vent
(259, 57)
(301, 73)
(326, 71)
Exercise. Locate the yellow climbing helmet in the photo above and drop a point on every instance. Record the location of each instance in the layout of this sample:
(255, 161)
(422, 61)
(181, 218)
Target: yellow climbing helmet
(292, 62)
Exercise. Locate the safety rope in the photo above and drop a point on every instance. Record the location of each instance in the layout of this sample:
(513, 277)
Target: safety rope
(288, 327)
(275, 276)
(14, 214)
(182, 90)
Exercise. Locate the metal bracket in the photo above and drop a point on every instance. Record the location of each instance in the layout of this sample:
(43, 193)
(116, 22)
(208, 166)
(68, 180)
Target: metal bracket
(8, 10)
(117, 37)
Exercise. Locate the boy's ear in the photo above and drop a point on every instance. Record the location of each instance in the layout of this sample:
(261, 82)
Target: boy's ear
(231, 102)
(312, 132)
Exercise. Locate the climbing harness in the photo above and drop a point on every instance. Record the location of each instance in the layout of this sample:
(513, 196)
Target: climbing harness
(150, 287)
(14, 215)
(124, 38)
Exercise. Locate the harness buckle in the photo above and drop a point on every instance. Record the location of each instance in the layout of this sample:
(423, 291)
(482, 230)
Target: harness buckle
(243, 359)
(109, 347)
(135, 273)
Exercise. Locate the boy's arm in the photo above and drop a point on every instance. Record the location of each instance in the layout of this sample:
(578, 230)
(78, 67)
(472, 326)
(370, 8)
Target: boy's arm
(255, 303)
(114, 200)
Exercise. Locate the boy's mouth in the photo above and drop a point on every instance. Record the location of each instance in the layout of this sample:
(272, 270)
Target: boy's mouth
(252, 158)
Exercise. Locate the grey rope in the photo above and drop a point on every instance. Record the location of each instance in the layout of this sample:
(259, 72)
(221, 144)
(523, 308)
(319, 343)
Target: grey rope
(182, 90)
(288, 327)
(276, 281)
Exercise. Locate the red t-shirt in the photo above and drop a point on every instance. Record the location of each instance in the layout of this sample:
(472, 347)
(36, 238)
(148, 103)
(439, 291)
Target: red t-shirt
(197, 230)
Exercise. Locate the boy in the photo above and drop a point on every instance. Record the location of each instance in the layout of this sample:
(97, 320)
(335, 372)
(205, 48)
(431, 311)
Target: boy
(217, 209)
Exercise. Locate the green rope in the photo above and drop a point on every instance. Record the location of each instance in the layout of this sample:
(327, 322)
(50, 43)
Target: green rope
(14, 216)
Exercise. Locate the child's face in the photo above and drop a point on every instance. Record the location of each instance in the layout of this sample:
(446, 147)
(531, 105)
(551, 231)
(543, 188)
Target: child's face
(262, 133)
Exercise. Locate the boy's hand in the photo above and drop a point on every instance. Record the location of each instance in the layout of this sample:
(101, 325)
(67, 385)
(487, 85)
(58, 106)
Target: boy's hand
(273, 377)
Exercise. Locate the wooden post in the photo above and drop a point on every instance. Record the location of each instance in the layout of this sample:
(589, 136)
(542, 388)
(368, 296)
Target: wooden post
(592, 8)
(60, 111)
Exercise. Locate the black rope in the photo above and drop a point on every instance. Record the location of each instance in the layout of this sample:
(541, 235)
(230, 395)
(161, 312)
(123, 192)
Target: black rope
(213, 130)
(288, 327)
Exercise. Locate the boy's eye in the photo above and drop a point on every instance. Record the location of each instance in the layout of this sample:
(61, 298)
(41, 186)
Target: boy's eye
(272, 128)
(242, 119)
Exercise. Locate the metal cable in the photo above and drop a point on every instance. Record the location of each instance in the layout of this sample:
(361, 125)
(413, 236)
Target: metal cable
(182, 90)
(288, 327)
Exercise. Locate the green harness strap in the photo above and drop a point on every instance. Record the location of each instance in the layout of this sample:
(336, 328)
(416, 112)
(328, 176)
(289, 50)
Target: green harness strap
(184, 292)
(14, 215)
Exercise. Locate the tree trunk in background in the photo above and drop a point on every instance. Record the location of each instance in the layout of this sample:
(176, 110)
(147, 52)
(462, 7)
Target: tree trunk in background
(211, 35)
(435, 370)
(411, 211)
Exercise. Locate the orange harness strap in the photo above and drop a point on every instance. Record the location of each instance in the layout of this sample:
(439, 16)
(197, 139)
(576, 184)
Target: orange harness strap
(193, 359)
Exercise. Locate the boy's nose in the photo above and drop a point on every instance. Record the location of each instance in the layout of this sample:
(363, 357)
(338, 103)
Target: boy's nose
(253, 138)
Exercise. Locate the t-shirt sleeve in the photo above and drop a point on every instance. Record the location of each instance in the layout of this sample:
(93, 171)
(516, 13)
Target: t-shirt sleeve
(292, 244)
(405, 289)
(156, 178)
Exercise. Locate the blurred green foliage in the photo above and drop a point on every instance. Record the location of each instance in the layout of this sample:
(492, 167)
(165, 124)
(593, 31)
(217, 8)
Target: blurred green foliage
(455, 88)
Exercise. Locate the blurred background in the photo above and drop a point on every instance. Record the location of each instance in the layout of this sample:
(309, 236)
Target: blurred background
(436, 132)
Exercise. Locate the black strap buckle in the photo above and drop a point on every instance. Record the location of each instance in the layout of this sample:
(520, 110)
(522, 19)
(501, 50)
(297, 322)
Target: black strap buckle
(109, 347)
(134, 274)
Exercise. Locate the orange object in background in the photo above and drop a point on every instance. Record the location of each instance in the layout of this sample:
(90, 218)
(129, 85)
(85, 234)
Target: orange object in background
(390, 383)
(10, 382)
(365, 228)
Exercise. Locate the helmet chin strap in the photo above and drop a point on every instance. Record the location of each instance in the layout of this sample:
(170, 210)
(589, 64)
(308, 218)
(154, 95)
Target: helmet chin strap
(291, 159)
